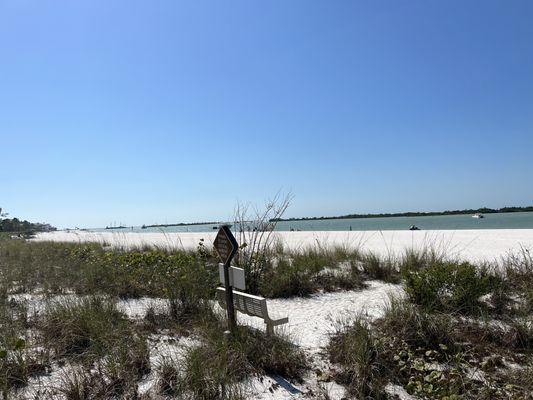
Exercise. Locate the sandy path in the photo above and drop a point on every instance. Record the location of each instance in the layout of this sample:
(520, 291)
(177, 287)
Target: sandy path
(312, 319)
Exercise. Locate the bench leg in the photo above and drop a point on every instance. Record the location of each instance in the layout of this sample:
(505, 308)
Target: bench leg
(270, 328)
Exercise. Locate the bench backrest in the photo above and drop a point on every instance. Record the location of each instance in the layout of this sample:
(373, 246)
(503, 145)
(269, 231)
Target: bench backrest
(245, 303)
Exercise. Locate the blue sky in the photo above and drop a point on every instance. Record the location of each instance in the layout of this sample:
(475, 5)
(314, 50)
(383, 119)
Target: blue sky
(164, 111)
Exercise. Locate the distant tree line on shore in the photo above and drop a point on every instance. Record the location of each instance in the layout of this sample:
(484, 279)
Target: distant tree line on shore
(483, 210)
(17, 225)
(179, 224)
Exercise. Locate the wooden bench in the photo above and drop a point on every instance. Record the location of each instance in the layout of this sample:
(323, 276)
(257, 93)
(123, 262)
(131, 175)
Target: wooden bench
(256, 306)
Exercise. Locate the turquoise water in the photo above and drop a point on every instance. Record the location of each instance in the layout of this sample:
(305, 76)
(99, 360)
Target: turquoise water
(520, 220)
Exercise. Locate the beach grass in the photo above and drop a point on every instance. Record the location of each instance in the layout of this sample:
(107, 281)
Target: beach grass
(454, 318)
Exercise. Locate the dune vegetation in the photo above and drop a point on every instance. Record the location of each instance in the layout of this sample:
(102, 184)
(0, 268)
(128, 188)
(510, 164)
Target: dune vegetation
(458, 331)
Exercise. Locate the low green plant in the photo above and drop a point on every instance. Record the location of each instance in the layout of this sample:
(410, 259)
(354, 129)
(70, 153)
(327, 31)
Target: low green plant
(55, 268)
(415, 326)
(287, 279)
(422, 374)
(448, 286)
(301, 273)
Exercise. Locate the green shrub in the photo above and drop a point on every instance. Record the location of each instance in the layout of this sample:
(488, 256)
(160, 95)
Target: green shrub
(305, 272)
(416, 327)
(48, 266)
(156, 273)
(448, 286)
(89, 269)
(417, 259)
(287, 279)
(339, 279)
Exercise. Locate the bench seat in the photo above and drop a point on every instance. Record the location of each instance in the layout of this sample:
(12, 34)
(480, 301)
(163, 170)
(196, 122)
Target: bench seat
(248, 304)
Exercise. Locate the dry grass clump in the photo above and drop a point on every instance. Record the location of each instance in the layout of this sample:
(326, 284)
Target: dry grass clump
(18, 361)
(18, 364)
(380, 268)
(356, 349)
(91, 331)
(518, 267)
(82, 327)
(217, 367)
(80, 383)
(301, 273)
(168, 376)
(518, 274)
(417, 259)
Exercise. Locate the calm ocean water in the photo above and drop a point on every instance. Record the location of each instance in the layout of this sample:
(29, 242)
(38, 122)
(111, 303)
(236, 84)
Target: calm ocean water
(520, 220)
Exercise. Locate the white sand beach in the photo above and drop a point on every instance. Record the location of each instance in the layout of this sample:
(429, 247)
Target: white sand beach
(472, 245)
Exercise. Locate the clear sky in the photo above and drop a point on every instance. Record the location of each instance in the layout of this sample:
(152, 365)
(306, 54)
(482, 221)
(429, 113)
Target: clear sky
(166, 111)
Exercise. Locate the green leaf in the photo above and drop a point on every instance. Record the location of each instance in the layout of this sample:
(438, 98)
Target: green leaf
(20, 344)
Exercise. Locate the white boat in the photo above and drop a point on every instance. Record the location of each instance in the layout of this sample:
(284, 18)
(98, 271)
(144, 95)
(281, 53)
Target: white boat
(478, 215)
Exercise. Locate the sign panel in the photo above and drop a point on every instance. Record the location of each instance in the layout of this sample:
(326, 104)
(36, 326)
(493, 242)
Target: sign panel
(225, 244)
(236, 276)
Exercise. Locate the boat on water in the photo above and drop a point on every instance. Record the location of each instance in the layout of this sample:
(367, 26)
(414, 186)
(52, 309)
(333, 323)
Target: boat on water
(478, 216)
(115, 226)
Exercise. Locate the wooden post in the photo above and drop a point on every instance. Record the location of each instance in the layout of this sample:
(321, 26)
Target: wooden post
(226, 246)
(229, 300)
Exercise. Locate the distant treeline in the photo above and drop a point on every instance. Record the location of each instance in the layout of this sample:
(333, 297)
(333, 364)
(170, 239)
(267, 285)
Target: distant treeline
(16, 225)
(179, 224)
(483, 210)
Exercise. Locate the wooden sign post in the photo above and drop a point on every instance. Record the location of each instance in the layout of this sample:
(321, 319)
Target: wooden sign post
(226, 246)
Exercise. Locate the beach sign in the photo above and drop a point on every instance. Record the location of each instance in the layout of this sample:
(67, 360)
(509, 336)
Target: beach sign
(225, 244)
(236, 277)
(226, 247)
